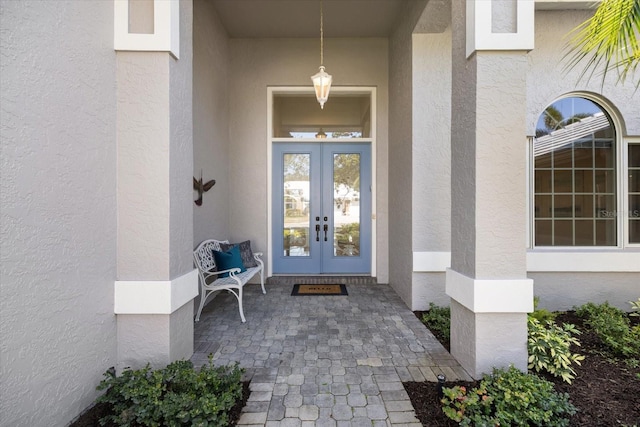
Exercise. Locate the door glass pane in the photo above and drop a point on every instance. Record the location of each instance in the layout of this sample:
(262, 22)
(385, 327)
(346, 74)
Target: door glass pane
(346, 205)
(296, 204)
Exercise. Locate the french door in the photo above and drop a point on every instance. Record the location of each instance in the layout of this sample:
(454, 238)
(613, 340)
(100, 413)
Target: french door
(321, 208)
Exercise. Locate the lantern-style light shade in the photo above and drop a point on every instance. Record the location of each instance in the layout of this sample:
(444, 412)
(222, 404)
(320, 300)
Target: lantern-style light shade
(322, 84)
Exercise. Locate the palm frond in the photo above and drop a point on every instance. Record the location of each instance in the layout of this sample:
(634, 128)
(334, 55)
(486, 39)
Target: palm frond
(608, 41)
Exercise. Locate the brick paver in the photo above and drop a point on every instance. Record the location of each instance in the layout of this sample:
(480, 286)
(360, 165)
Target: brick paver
(323, 360)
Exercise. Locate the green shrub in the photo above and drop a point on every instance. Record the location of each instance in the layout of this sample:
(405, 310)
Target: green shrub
(177, 395)
(612, 326)
(541, 314)
(508, 398)
(549, 348)
(438, 320)
(635, 308)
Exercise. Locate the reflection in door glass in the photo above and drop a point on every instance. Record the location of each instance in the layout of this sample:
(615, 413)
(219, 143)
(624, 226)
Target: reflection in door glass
(296, 204)
(346, 205)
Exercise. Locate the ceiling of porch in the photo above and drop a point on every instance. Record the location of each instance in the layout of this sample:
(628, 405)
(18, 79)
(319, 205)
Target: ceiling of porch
(301, 18)
(342, 18)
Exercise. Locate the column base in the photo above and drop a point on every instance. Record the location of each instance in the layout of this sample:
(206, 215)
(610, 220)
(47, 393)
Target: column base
(157, 339)
(489, 322)
(155, 321)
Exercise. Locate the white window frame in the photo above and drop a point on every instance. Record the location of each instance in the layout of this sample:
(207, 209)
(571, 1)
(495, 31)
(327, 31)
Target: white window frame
(624, 257)
(627, 141)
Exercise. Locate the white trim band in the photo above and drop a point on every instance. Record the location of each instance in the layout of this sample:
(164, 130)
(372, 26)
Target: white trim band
(155, 297)
(609, 262)
(492, 295)
(431, 261)
(548, 261)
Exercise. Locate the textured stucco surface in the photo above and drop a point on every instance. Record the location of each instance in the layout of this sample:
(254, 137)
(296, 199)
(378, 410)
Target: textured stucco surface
(259, 63)
(500, 181)
(181, 333)
(155, 160)
(564, 291)
(480, 342)
(488, 200)
(143, 165)
(432, 142)
(463, 148)
(431, 198)
(400, 150)
(58, 215)
(143, 337)
(157, 339)
(489, 188)
(547, 81)
(429, 287)
(155, 204)
(210, 121)
(463, 334)
(181, 149)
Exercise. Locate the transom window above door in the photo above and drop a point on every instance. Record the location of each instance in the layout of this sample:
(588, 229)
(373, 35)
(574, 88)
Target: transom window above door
(343, 117)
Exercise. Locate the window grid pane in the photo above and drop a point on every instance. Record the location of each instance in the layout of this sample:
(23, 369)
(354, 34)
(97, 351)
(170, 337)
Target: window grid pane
(634, 193)
(575, 194)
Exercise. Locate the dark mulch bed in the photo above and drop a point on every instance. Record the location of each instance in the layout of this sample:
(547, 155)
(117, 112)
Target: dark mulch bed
(606, 392)
(91, 418)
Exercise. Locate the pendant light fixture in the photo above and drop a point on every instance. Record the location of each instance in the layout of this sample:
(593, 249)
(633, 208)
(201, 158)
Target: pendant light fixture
(321, 80)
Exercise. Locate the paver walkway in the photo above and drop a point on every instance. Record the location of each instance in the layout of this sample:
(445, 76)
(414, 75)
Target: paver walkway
(333, 361)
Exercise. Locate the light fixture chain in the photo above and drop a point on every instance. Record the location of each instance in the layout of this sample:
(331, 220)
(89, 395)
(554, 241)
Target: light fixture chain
(321, 36)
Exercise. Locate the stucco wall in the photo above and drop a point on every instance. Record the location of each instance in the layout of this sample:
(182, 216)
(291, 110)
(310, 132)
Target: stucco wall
(259, 63)
(58, 216)
(429, 287)
(564, 291)
(401, 150)
(432, 142)
(500, 187)
(431, 160)
(547, 81)
(155, 203)
(210, 121)
(463, 150)
(181, 149)
(155, 160)
(143, 165)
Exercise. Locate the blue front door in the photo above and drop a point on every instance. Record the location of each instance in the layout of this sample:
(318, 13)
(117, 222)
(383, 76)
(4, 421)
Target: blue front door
(321, 208)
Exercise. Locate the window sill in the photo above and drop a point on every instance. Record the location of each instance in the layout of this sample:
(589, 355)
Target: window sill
(564, 260)
(584, 260)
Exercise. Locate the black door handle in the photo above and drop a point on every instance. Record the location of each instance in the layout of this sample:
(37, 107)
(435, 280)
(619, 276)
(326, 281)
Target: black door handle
(317, 232)
(326, 228)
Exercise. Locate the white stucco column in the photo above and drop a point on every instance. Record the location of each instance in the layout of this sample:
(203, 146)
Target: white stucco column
(487, 281)
(156, 281)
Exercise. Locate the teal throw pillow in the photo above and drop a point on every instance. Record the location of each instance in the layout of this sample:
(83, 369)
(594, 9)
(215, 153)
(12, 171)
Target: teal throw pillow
(228, 260)
(245, 252)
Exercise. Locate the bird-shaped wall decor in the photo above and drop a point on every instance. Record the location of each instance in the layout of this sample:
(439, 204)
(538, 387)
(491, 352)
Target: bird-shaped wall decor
(201, 187)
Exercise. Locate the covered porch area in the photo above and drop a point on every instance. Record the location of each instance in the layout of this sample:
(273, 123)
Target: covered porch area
(324, 359)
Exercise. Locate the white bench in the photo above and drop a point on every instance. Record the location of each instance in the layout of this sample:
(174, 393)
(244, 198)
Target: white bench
(209, 284)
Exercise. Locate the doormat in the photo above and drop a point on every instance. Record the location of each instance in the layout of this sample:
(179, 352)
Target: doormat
(319, 289)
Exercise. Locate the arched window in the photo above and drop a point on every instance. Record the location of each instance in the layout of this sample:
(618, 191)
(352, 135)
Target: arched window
(575, 194)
